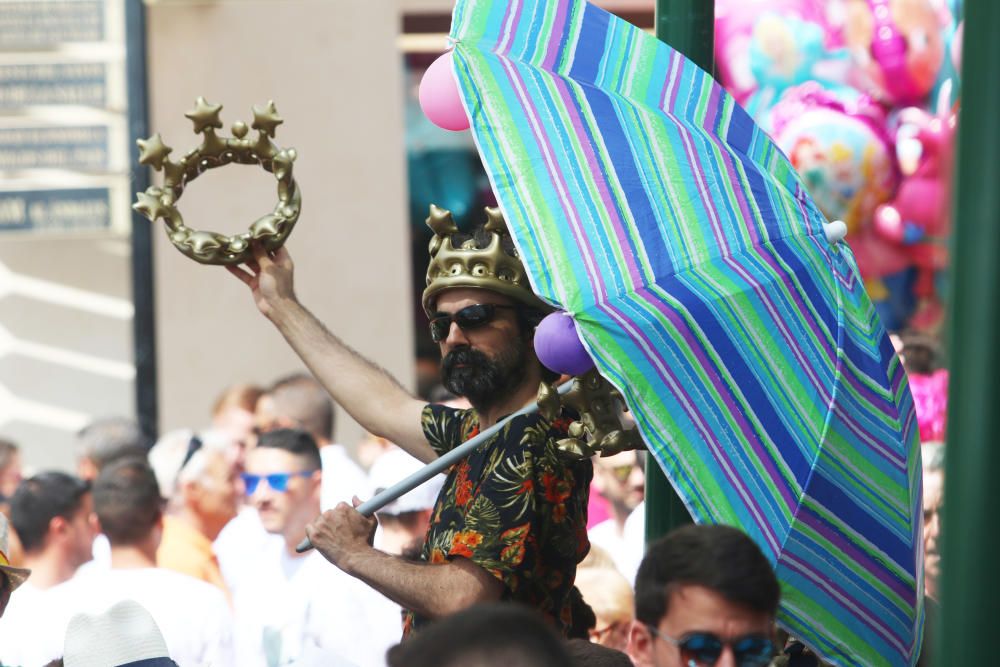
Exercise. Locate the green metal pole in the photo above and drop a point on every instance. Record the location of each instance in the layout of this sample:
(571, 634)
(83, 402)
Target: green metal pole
(970, 587)
(689, 27)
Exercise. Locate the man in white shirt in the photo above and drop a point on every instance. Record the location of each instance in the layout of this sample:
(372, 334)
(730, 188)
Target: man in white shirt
(297, 610)
(193, 616)
(53, 514)
(299, 401)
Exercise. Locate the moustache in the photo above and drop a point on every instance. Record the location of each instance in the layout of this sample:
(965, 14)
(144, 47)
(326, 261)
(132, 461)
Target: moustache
(462, 356)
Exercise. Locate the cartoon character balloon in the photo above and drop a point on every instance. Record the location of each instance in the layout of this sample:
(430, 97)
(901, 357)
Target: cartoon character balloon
(899, 46)
(769, 45)
(840, 150)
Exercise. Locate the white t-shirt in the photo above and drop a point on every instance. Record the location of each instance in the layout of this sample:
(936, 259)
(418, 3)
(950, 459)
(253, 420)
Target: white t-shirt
(302, 611)
(22, 638)
(193, 616)
(242, 536)
(342, 477)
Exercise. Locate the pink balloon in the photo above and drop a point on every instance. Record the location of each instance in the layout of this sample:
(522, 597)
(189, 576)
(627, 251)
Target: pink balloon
(440, 98)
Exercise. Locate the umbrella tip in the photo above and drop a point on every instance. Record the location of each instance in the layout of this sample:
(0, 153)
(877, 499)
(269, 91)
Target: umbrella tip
(835, 231)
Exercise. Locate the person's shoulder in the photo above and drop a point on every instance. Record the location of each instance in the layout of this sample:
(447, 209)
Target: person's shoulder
(442, 411)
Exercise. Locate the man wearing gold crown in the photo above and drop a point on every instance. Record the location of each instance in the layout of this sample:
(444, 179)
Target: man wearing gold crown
(510, 522)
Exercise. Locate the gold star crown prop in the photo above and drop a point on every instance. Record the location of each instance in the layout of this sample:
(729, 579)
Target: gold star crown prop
(458, 260)
(601, 428)
(270, 230)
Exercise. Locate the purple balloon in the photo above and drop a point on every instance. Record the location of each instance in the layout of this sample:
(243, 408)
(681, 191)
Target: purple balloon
(558, 346)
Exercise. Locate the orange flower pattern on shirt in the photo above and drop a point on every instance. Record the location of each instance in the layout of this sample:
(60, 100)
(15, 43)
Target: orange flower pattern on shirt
(464, 543)
(463, 485)
(516, 507)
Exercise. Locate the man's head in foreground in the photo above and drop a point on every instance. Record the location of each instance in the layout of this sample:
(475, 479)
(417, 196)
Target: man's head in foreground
(283, 481)
(490, 635)
(705, 594)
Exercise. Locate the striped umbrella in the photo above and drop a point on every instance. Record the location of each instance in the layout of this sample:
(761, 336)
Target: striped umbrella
(648, 205)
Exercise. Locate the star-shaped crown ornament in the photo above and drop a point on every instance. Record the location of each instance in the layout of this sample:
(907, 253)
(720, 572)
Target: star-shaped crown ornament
(602, 427)
(160, 203)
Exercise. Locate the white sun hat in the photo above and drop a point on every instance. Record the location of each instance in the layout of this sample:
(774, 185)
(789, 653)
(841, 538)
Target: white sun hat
(394, 466)
(125, 634)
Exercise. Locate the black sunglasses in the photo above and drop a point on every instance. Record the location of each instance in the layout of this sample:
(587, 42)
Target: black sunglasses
(703, 649)
(470, 317)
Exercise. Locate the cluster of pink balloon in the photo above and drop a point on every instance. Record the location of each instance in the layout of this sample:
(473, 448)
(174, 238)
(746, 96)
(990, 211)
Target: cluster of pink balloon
(861, 96)
(439, 96)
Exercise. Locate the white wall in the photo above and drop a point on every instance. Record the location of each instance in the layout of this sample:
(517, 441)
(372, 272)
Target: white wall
(335, 74)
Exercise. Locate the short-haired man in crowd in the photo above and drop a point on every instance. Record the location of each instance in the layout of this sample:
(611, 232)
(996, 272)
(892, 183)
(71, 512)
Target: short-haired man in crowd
(104, 441)
(704, 595)
(298, 608)
(510, 523)
(193, 616)
(53, 513)
(296, 402)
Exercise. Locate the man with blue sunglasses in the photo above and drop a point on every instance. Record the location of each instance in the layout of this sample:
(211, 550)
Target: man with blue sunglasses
(297, 609)
(510, 521)
(705, 596)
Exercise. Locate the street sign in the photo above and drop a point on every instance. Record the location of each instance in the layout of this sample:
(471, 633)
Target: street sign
(64, 148)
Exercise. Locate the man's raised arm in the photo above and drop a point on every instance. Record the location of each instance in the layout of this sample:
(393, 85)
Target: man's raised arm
(369, 394)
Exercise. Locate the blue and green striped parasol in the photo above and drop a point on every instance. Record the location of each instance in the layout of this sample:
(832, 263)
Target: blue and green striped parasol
(646, 203)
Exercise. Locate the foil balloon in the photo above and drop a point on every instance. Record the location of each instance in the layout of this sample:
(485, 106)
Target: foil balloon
(786, 51)
(768, 45)
(439, 96)
(898, 45)
(840, 149)
(558, 346)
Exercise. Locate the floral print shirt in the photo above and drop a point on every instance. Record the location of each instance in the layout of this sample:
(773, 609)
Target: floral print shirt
(516, 507)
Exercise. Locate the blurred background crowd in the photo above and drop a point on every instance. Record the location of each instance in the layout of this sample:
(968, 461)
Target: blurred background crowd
(862, 95)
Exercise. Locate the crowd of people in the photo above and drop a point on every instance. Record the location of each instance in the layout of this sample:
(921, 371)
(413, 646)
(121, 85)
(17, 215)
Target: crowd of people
(195, 542)
(186, 551)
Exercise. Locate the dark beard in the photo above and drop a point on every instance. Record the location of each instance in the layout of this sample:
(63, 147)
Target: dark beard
(482, 380)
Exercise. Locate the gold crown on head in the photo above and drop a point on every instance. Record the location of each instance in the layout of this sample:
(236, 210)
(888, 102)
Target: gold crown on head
(478, 261)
